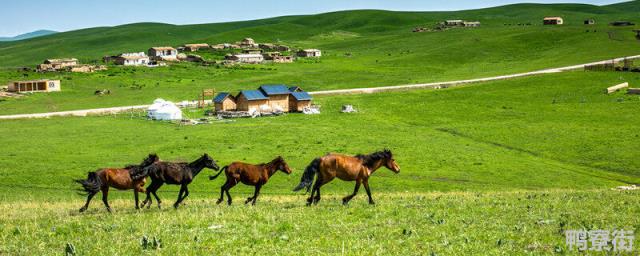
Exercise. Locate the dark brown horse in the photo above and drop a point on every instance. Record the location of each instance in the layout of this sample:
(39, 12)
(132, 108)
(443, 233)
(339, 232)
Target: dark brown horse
(119, 178)
(176, 174)
(249, 174)
(348, 168)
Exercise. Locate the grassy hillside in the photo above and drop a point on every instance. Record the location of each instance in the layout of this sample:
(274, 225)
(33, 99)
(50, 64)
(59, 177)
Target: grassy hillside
(500, 167)
(365, 48)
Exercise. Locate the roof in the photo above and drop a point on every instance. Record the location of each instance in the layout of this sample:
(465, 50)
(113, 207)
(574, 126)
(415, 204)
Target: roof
(275, 89)
(196, 45)
(301, 95)
(61, 60)
(248, 55)
(163, 48)
(221, 97)
(310, 50)
(253, 95)
(294, 88)
(36, 81)
(552, 18)
(454, 21)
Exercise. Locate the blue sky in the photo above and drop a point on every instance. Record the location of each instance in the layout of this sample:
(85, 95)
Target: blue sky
(20, 16)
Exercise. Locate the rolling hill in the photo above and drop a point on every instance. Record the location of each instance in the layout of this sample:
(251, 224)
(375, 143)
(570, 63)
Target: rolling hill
(33, 34)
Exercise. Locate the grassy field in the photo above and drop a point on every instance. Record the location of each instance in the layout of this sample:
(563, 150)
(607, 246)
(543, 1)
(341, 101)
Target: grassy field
(360, 48)
(499, 167)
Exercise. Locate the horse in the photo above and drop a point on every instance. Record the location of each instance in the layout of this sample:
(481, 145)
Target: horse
(348, 168)
(249, 174)
(119, 178)
(176, 174)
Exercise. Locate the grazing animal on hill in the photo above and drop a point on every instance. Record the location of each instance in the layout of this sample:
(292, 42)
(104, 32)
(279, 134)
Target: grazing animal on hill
(249, 174)
(119, 178)
(176, 174)
(348, 168)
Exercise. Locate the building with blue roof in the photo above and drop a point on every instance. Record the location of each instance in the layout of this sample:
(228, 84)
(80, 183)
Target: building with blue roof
(251, 99)
(299, 100)
(274, 89)
(224, 101)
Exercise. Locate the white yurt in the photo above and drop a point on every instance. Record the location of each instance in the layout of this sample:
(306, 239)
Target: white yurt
(164, 110)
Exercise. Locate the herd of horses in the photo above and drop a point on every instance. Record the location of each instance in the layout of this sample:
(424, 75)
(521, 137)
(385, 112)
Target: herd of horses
(324, 169)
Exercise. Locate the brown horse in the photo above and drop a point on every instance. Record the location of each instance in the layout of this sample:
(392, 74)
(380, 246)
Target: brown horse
(177, 174)
(249, 174)
(347, 168)
(119, 178)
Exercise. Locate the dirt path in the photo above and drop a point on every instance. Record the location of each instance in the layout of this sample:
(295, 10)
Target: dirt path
(436, 85)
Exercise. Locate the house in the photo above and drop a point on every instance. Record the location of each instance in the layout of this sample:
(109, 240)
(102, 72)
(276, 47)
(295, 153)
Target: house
(278, 96)
(195, 47)
(57, 64)
(471, 24)
(44, 85)
(282, 59)
(132, 59)
(589, 22)
(282, 48)
(309, 53)
(270, 55)
(252, 51)
(248, 43)
(164, 53)
(251, 100)
(268, 47)
(453, 23)
(245, 58)
(552, 21)
(621, 23)
(87, 68)
(190, 57)
(298, 101)
(218, 47)
(224, 102)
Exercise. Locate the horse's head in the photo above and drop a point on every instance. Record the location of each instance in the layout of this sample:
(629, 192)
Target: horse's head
(151, 159)
(282, 165)
(389, 162)
(209, 162)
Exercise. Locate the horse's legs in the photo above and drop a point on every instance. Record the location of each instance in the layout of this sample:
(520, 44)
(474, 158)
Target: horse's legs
(183, 186)
(105, 195)
(231, 184)
(156, 195)
(348, 198)
(313, 191)
(366, 186)
(135, 195)
(86, 205)
(255, 195)
(148, 192)
(222, 192)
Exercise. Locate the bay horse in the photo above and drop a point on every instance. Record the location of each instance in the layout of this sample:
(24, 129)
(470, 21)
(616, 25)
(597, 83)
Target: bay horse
(119, 178)
(249, 174)
(176, 174)
(348, 168)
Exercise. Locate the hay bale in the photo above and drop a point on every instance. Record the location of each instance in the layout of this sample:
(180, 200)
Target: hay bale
(616, 88)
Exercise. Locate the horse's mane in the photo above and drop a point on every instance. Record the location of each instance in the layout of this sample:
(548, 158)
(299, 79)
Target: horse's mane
(370, 159)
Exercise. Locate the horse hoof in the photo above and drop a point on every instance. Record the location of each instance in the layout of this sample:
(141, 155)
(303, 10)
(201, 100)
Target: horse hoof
(229, 203)
(372, 202)
(219, 202)
(83, 209)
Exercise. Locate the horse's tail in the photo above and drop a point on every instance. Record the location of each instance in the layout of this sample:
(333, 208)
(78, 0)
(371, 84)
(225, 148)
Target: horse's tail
(92, 184)
(213, 177)
(307, 176)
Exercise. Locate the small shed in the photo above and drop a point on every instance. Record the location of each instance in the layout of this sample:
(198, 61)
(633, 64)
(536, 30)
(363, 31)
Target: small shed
(224, 101)
(132, 59)
(471, 24)
(553, 21)
(309, 53)
(245, 58)
(163, 53)
(282, 59)
(195, 47)
(453, 23)
(251, 100)
(43, 85)
(278, 96)
(589, 22)
(298, 101)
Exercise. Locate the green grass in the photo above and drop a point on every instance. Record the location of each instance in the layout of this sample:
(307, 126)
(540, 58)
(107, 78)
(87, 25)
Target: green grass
(499, 167)
(382, 51)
